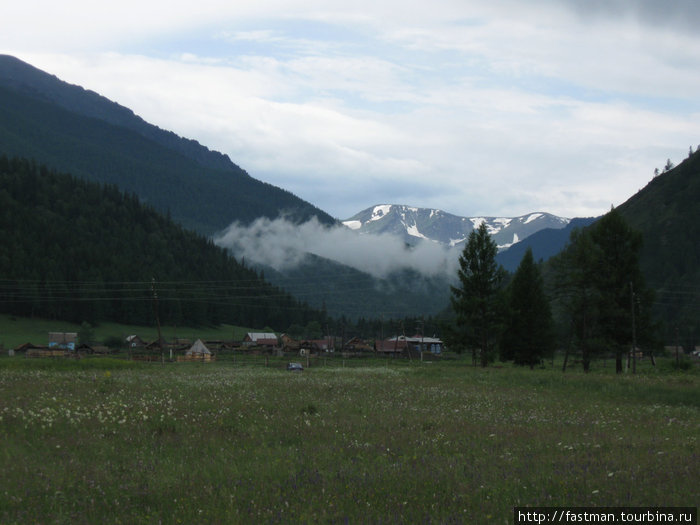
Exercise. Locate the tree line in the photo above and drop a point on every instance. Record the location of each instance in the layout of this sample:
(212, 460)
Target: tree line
(594, 299)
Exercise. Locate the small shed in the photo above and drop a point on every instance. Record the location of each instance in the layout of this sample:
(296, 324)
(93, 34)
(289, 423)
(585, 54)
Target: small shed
(62, 340)
(198, 352)
(198, 348)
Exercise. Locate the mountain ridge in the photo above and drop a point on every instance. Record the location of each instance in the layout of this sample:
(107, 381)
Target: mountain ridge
(26, 78)
(414, 223)
(78, 131)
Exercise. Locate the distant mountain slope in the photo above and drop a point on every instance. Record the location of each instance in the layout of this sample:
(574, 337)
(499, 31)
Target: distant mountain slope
(544, 244)
(451, 230)
(80, 132)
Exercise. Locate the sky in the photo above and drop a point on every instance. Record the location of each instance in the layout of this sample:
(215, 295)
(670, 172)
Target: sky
(478, 108)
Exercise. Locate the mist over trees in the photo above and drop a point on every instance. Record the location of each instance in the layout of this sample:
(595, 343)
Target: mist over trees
(80, 251)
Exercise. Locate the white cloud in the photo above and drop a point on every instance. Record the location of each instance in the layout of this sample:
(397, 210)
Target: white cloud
(494, 108)
(282, 245)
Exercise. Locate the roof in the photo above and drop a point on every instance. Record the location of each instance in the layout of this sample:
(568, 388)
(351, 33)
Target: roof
(135, 340)
(417, 339)
(198, 347)
(256, 337)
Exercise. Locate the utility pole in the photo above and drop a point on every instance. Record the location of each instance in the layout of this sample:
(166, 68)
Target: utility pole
(422, 336)
(155, 312)
(408, 348)
(634, 333)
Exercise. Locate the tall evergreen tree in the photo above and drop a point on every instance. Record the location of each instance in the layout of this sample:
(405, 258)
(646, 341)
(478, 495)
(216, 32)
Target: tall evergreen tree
(575, 282)
(477, 300)
(623, 291)
(528, 335)
(602, 286)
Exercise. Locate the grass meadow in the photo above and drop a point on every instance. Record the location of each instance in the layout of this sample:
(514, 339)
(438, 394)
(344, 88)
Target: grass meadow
(109, 441)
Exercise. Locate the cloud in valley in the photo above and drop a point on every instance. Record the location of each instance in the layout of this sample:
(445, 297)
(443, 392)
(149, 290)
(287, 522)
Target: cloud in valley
(282, 245)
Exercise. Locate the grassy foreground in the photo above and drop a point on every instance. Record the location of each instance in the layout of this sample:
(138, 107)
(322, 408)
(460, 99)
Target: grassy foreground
(105, 441)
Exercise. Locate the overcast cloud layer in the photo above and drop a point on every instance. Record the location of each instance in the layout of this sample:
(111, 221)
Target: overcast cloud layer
(475, 107)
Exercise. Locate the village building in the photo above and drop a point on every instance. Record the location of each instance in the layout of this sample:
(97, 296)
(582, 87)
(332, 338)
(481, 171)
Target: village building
(86, 348)
(267, 339)
(62, 340)
(134, 341)
(198, 352)
(415, 344)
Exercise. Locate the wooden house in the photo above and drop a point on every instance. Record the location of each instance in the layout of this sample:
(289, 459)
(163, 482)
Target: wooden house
(134, 341)
(267, 339)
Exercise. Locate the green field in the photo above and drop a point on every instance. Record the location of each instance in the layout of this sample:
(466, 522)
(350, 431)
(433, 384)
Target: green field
(108, 441)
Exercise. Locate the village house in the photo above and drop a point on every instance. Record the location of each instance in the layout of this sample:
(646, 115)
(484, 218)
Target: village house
(393, 346)
(134, 341)
(401, 344)
(26, 347)
(62, 340)
(357, 345)
(85, 348)
(267, 339)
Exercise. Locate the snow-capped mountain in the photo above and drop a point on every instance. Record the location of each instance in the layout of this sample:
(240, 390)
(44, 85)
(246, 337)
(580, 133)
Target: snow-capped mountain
(444, 228)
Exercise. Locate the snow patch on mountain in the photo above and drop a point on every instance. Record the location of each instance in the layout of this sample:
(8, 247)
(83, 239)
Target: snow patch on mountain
(413, 231)
(379, 212)
(508, 245)
(419, 224)
(532, 217)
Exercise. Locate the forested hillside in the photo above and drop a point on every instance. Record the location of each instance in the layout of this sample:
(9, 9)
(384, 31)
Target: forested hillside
(667, 214)
(80, 251)
(79, 132)
(343, 291)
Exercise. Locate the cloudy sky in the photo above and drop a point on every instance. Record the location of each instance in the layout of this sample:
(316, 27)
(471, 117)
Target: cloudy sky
(477, 107)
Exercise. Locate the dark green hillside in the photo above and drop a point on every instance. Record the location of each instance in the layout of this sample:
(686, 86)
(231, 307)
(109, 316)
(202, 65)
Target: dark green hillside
(344, 291)
(79, 251)
(77, 131)
(667, 212)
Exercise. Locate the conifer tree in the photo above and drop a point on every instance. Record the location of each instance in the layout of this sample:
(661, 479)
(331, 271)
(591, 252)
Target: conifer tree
(601, 282)
(477, 300)
(575, 278)
(620, 282)
(527, 337)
